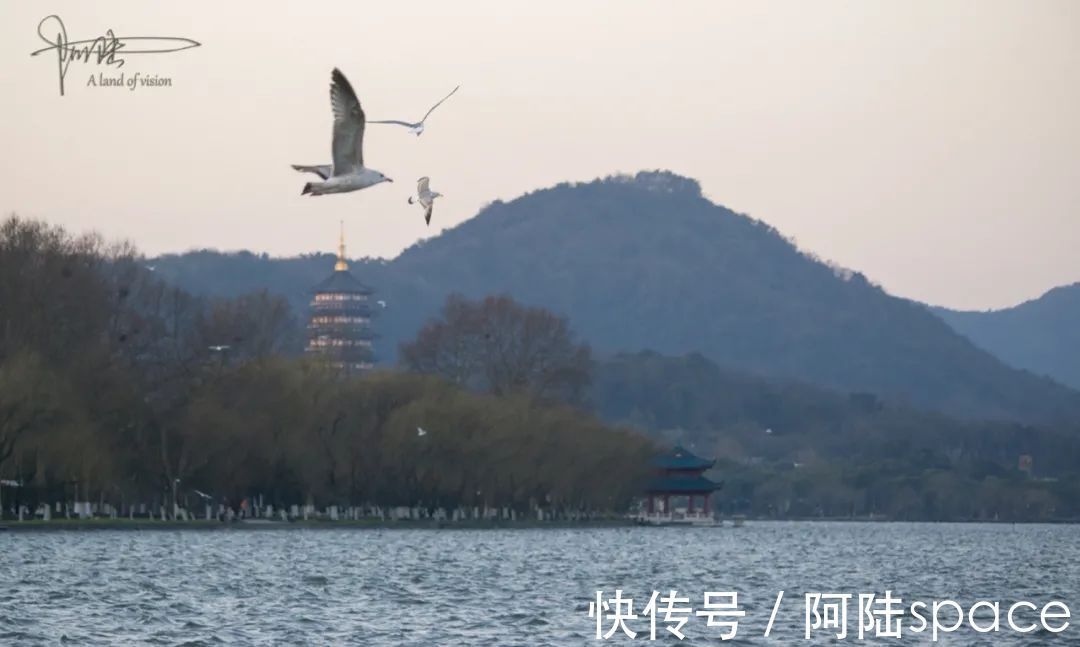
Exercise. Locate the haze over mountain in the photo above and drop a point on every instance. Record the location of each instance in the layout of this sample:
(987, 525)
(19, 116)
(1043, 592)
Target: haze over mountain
(647, 262)
(1041, 335)
(782, 445)
(691, 401)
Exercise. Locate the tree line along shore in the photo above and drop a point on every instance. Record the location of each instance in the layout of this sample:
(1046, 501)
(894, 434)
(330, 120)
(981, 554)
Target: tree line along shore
(111, 397)
(113, 402)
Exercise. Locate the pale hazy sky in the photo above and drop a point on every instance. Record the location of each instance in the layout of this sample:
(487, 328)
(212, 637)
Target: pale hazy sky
(933, 145)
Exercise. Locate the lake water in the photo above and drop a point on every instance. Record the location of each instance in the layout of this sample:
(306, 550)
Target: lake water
(516, 587)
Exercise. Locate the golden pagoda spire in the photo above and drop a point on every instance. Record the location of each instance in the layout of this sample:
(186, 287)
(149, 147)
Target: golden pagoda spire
(341, 265)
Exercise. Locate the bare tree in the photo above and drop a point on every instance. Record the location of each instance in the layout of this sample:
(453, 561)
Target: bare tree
(252, 326)
(503, 347)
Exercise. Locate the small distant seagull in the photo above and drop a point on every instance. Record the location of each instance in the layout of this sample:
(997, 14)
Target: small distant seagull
(382, 304)
(420, 431)
(348, 172)
(425, 197)
(219, 349)
(326, 170)
(768, 431)
(204, 495)
(10, 483)
(151, 267)
(417, 127)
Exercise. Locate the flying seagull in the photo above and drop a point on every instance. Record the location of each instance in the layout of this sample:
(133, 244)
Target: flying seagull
(218, 349)
(326, 170)
(420, 431)
(382, 304)
(348, 172)
(417, 127)
(425, 197)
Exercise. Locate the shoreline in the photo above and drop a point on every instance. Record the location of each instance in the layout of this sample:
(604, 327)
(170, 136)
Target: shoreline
(79, 525)
(60, 525)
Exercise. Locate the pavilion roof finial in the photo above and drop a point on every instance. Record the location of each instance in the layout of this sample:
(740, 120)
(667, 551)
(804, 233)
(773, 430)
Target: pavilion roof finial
(341, 265)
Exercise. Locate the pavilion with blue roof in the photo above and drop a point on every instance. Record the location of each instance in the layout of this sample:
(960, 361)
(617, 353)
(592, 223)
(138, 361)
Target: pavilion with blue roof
(678, 473)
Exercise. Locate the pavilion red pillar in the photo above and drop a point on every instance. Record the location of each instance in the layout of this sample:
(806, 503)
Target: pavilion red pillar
(690, 504)
(651, 504)
(667, 504)
(708, 508)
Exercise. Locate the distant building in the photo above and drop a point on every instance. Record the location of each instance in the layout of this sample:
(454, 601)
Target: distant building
(678, 475)
(339, 328)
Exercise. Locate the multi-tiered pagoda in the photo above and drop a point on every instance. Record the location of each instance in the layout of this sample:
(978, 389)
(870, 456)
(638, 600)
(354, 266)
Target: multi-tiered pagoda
(340, 325)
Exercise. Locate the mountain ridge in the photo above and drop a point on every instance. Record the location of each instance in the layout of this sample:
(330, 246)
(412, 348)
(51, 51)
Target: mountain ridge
(1041, 335)
(647, 262)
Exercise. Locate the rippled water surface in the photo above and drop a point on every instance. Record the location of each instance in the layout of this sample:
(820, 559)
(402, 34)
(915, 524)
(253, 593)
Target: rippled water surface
(509, 587)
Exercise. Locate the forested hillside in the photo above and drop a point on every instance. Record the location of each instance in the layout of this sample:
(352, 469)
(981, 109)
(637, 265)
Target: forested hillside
(647, 262)
(1041, 335)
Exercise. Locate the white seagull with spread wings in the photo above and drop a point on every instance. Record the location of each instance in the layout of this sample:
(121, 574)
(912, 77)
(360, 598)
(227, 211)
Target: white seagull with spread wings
(425, 197)
(348, 172)
(417, 127)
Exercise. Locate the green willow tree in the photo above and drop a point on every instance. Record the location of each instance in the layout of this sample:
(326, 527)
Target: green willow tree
(117, 388)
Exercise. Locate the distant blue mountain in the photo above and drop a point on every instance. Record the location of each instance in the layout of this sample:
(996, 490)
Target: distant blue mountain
(1041, 335)
(646, 262)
